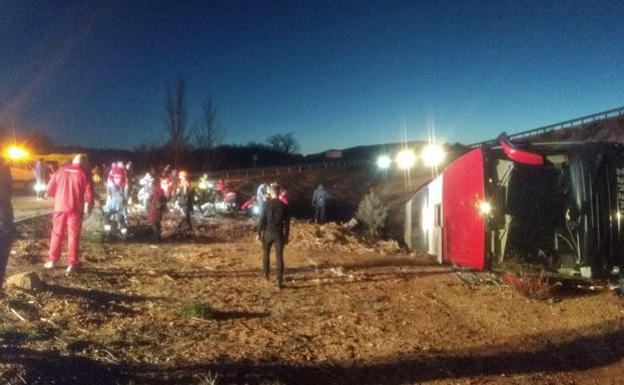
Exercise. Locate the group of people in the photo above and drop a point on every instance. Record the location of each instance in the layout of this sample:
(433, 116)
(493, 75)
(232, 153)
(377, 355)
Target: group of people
(72, 188)
(158, 191)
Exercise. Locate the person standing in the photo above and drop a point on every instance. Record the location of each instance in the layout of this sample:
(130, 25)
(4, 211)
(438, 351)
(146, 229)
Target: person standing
(274, 230)
(7, 227)
(156, 204)
(96, 174)
(41, 177)
(72, 191)
(261, 195)
(116, 198)
(283, 196)
(184, 201)
(319, 202)
(130, 181)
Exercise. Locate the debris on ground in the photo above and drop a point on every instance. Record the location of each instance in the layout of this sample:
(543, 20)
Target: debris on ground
(352, 310)
(25, 281)
(350, 224)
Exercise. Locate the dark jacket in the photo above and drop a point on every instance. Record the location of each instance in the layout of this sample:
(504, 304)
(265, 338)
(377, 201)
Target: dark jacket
(184, 197)
(274, 219)
(7, 227)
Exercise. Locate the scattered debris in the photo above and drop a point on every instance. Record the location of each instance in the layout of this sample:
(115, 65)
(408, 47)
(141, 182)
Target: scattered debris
(26, 281)
(534, 287)
(350, 224)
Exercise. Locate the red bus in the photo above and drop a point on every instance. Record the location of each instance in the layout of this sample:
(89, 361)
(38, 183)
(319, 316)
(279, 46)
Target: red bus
(551, 207)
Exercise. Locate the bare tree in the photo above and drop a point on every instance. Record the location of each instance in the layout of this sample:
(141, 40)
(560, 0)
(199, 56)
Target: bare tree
(208, 132)
(176, 119)
(284, 143)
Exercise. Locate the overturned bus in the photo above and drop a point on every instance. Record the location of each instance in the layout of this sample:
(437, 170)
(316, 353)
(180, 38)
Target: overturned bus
(551, 207)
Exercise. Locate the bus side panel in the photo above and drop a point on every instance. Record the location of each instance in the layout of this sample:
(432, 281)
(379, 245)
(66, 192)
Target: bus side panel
(434, 215)
(463, 226)
(418, 231)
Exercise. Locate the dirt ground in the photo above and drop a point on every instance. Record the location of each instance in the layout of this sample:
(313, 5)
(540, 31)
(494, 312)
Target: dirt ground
(194, 310)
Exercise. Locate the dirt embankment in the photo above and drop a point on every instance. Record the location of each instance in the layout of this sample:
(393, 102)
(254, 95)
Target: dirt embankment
(347, 188)
(352, 312)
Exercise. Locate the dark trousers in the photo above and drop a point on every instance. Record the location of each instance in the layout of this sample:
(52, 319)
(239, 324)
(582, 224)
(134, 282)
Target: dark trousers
(319, 214)
(186, 223)
(276, 240)
(5, 249)
(156, 232)
(118, 217)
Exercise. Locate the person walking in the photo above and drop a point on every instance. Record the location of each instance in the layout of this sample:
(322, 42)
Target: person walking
(7, 227)
(319, 202)
(156, 204)
(72, 190)
(274, 230)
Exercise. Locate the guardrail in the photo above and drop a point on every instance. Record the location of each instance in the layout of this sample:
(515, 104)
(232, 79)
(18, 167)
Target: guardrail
(572, 123)
(281, 170)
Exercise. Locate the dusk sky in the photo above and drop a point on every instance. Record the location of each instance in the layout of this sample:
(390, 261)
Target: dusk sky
(336, 74)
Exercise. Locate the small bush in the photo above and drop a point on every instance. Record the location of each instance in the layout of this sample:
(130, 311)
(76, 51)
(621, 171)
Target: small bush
(210, 379)
(198, 309)
(373, 213)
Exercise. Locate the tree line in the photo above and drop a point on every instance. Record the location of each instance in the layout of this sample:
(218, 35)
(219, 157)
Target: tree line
(197, 144)
(200, 144)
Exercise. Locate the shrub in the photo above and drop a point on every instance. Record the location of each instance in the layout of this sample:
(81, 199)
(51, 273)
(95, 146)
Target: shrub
(373, 213)
(198, 309)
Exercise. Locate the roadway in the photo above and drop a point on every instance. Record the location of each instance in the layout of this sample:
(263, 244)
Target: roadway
(26, 207)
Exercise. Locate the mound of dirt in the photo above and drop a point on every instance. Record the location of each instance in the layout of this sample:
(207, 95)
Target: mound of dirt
(332, 236)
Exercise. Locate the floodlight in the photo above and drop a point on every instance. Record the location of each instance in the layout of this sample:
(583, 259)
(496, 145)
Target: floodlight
(16, 153)
(406, 159)
(432, 155)
(383, 162)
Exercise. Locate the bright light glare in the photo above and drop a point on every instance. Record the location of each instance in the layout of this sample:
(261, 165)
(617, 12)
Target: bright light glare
(16, 153)
(432, 155)
(39, 187)
(485, 207)
(384, 162)
(406, 159)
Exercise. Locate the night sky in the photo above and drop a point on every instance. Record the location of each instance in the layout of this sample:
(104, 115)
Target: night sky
(336, 74)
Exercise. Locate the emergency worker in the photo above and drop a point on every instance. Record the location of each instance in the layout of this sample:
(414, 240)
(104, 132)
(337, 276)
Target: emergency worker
(205, 190)
(96, 174)
(72, 190)
(7, 228)
(274, 230)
